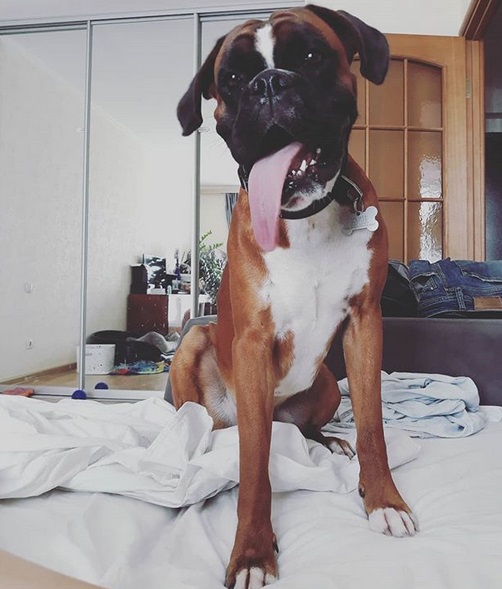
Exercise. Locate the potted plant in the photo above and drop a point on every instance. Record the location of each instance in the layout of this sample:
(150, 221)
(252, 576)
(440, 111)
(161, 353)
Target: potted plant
(211, 263)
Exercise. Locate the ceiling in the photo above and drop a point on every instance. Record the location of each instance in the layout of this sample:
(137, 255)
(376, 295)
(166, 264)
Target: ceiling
(11, 10)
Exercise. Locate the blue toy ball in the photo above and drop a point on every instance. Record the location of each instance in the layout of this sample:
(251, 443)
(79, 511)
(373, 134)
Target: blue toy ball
(79, 394)
(101, 385)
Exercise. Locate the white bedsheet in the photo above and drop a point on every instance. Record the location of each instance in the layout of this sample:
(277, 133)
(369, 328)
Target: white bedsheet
(453, 485)
(149, 451)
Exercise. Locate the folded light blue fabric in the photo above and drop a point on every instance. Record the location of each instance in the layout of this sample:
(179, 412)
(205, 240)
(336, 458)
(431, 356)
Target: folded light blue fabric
(425, 405)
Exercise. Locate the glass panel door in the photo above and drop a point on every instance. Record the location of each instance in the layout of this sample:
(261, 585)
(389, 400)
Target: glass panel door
(41, 152)
(398, 139)
(140, 187)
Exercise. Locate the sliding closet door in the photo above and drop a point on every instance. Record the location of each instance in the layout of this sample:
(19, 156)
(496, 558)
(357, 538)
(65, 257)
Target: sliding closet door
(218, 168)
(141, 176)
(41, 151)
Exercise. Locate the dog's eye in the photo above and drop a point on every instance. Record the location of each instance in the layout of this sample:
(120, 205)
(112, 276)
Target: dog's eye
(313, 57)
(234, 80)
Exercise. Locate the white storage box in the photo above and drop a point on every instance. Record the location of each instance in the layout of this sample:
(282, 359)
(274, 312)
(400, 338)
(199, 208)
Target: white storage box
(99, 358)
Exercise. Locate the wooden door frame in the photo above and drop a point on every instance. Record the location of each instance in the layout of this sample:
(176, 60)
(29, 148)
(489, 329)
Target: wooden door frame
(473, 29)
(478, 18)
(476, 145)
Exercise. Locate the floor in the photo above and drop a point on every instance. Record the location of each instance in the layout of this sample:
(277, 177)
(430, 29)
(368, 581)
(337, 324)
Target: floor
(69, 378)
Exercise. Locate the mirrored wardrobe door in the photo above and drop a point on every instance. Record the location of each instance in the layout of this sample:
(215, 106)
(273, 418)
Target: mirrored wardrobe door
(140, 200)
(41, 154)
(218, 175)
(219, 183)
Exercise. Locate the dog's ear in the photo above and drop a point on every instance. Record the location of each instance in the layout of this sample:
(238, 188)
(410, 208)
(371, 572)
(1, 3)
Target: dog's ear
(189, 107)
(358, 37)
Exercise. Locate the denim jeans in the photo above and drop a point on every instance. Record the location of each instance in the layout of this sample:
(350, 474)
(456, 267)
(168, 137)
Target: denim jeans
(456, 287)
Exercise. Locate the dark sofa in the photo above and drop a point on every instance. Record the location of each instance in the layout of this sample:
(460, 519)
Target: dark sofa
(456, 347)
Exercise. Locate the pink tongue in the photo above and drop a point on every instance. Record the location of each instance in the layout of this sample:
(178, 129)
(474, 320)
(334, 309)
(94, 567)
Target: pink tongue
(266, 181)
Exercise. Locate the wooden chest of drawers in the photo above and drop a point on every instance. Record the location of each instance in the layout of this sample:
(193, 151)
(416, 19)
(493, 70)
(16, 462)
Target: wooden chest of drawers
(147, 313)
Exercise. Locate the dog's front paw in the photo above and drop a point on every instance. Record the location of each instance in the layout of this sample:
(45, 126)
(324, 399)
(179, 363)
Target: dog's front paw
(252, 565)
(387, 511)
(251, 577)
(393, 522)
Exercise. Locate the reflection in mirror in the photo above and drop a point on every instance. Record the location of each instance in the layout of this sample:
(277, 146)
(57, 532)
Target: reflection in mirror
(41, 150)
(219, 180)
(140, 203)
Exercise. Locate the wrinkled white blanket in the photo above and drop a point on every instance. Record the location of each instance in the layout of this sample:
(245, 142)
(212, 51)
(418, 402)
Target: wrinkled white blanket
(148, 451)
(425, 405)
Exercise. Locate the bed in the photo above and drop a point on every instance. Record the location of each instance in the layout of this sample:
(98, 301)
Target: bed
(106, 527)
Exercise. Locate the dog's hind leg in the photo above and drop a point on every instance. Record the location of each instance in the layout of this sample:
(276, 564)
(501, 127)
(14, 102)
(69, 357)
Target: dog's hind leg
(310, 410)
(195, 377)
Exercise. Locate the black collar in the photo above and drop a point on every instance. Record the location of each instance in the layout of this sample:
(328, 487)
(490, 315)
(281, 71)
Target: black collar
(345, 192)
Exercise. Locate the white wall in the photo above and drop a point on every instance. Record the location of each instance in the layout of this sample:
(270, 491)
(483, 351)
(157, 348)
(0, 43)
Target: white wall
(139, 205)
(213, 214)
(119, 220)
(40, 214)
(424, 17)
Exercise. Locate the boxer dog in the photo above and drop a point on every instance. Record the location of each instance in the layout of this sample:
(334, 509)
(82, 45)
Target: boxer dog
(307, 255)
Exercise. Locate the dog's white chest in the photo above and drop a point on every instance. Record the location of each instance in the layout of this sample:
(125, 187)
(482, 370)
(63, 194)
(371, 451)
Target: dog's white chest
(309, 287)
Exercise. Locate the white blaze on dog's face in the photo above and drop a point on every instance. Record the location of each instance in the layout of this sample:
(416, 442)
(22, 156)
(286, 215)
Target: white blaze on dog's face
(286, 104)
(264, 44)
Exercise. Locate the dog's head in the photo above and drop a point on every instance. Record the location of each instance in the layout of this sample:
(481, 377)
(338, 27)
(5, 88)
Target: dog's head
(286, 99)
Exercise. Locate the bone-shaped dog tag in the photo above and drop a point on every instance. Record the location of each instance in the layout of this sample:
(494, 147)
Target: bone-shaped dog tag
(361, 220)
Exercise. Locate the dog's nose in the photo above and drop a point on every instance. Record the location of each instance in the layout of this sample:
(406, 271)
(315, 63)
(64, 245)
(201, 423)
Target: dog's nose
(271, 82)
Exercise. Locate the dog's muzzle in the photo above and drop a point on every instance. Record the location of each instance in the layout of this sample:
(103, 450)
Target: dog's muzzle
(270, 84)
